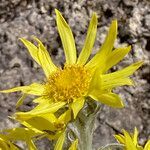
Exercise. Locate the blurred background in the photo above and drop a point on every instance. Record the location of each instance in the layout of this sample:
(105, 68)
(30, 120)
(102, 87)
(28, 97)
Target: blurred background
(24, 18)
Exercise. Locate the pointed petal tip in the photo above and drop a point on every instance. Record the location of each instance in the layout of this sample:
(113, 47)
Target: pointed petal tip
(94, 17)
(115, 22)
(7, 91)
(138, 64)
(123, 131)
(12, 117)
(23, 40)
(129, 47)
(60, 19)
(67, 38)
(94, 14)
(20, 38)
(135, 129)
(116, 136)
(89, 41)
(114, 25)
(57, 12)
(141, 62)
(36, 39)
(120, 105)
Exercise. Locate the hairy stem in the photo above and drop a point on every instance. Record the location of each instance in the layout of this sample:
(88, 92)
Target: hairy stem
(83, 126)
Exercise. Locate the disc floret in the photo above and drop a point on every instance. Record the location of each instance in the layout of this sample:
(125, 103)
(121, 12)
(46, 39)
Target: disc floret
(68, 83)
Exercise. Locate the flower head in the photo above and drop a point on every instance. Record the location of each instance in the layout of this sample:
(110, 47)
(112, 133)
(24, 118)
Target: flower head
(68, 83)
(130, 141)
(79, 78)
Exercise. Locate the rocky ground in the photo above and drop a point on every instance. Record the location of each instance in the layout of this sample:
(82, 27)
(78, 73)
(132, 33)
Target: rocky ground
(23, 18)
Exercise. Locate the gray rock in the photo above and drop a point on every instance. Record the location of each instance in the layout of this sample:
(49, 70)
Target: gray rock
(22, 18)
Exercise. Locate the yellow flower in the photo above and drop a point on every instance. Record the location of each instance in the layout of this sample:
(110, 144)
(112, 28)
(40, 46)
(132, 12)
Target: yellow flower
(131, 141)
(79, 78)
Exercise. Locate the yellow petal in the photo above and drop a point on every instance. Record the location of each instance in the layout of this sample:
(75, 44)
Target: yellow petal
(119, 78)
(50, 117)
(108, 44)
(20, 134)
(89, 42)
(100, 58)
(125, 72)
(49, 123)
(108, 83)
(40, 123)
(65, 117)
(5, 144)
(60, 142)
(24, 134)
(128, 141)
(77, 105)
(116, 55)
(66, 38)
(42, 108)
(54, 136)
(20, 101)
(45, 59)
(40, 55)
(139, 147)
(109, 99)
(135, 136)
(120, 138)
(33, 89)
(42, 99)
(74, 145)
(147, 146)
(31, 145)
(95, 84)
(33, 50)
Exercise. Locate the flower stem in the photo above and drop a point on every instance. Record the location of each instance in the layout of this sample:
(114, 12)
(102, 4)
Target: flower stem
(86, 135)
(83, 126)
